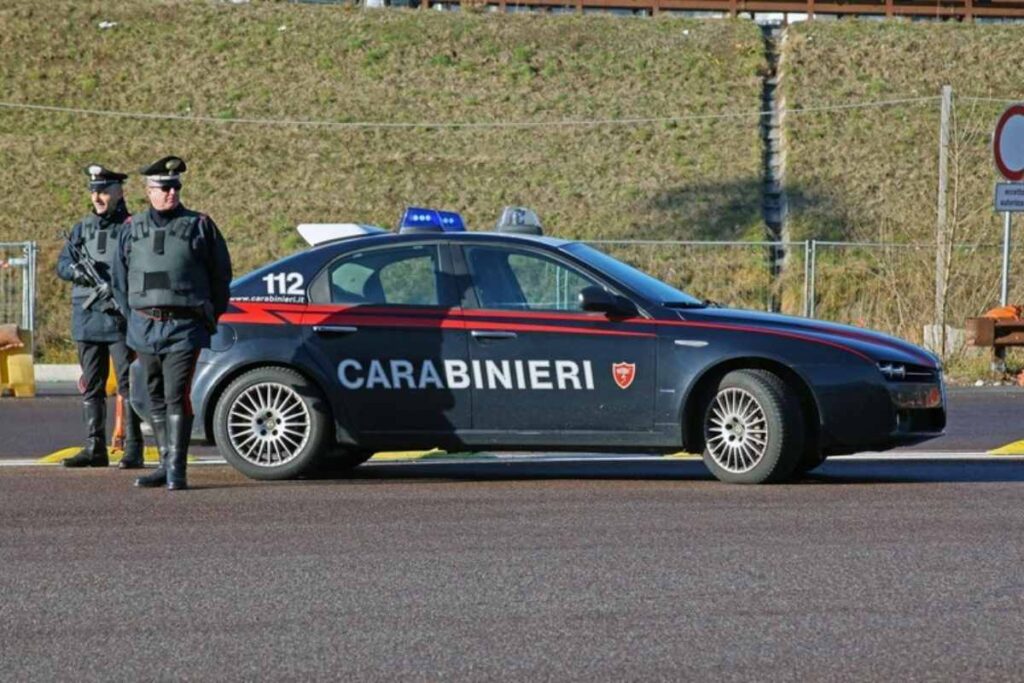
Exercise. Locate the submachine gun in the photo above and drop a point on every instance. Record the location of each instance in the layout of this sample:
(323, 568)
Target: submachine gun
(102, 295)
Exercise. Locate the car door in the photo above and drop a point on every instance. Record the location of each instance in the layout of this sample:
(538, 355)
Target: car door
(541, 363)
(386, 319)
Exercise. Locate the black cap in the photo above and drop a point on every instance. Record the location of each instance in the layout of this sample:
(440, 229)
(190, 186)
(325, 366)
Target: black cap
(100, 177)
(164, 173)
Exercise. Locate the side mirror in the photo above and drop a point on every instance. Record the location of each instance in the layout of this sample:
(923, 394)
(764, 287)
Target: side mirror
(594, 298)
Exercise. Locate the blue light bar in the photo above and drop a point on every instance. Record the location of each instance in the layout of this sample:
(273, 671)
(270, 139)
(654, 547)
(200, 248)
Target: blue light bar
(417, 219)
(451, 221)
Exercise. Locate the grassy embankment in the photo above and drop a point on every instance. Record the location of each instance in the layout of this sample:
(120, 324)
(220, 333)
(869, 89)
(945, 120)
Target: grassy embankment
(698, 178)
(872, 174)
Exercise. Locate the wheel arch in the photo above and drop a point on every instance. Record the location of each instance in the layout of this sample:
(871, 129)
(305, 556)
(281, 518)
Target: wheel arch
(701, 390)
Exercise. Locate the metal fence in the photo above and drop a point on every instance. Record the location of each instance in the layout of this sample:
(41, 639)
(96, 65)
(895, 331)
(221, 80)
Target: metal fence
(889, 287)
(884, 286)
(18, 284)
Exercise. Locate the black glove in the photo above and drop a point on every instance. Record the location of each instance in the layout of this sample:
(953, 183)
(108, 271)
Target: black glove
(79, 275)
(209, 317)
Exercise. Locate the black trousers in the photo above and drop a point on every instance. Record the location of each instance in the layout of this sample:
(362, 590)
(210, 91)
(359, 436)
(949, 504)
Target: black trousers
(94, 357)
(169, 382)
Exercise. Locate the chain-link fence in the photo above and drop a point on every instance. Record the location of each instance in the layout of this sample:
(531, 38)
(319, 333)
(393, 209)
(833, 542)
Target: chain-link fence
(892, 287)
(18, 284)
(737, 274)
(888, 287)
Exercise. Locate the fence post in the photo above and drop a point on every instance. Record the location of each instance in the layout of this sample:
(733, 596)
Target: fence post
(807, 278)
(814, 275)
(33, 255)
(940, 223)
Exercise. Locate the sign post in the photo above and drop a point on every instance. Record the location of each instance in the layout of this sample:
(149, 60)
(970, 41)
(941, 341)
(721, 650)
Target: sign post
(1008, 150)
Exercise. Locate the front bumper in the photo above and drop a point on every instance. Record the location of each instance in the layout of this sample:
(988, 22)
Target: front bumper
(920, 409)
(881, 415)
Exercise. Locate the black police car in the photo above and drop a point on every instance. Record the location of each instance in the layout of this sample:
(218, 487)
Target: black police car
(434, 336)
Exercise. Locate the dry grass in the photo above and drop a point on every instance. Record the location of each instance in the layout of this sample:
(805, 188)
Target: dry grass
(284, 61)
(872, 174)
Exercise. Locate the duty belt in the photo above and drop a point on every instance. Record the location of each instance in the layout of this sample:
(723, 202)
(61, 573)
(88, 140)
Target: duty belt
(169, 313)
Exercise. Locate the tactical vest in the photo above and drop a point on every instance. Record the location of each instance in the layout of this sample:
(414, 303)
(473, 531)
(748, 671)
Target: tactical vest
(99, 237)
(162, 268)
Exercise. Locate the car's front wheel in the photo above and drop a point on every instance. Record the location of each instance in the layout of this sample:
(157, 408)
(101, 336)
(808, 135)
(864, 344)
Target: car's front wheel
(271, 423)
(753, 429)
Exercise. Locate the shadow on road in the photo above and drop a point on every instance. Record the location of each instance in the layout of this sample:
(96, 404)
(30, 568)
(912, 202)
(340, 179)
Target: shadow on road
(917, 472)
(833, 472)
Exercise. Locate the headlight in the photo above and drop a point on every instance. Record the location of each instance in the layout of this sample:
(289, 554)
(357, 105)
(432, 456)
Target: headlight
(893, 371)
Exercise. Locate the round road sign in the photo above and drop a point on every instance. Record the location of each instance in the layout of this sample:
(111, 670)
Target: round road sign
(1008, 143)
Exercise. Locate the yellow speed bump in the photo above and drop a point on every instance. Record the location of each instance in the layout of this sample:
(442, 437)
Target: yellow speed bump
(390, 456)
(1015, 448)
(682, 455)
(150, 455)
(433, 453)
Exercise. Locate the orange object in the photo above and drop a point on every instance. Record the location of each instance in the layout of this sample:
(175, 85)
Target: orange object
(117, 438)
(1003, 312)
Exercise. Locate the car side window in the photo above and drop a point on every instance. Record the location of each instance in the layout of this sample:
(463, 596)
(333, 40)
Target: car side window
(403, 275)
(523, 281)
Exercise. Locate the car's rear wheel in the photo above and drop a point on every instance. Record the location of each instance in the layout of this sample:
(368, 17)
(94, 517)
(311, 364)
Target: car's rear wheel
(271, 423)
(753, 429)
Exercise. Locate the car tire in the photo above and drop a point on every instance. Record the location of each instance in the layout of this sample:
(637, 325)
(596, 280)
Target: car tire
(272, 423)
(753, 429)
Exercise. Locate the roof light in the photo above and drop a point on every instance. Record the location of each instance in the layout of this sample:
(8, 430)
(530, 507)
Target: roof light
(519, 220)
(318, 233)
(416, 219)
(451, 221)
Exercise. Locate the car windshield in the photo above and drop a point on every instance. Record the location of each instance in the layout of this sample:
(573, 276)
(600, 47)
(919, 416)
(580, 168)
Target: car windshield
(637, 280)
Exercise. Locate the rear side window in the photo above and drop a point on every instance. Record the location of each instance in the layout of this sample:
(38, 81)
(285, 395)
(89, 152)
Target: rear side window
(409, 276)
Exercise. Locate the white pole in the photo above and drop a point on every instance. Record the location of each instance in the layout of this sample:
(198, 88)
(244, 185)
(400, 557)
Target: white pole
(1004, 292)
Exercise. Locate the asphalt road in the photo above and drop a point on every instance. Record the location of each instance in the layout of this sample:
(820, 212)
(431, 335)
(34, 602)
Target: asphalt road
(907, 569)
(979, 420)
(516, 571)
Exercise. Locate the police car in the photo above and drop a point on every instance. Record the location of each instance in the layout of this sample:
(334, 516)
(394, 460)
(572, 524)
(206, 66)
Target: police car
(435, 336)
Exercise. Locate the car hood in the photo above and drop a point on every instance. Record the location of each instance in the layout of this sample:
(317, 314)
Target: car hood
(874, 344)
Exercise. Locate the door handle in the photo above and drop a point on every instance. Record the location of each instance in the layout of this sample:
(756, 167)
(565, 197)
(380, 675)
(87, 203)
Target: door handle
(492, 334)
(334, 329)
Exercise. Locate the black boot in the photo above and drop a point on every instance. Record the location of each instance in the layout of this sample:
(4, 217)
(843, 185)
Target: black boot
(95, 452)
(157, 477)
(179, 432)
(133, 443)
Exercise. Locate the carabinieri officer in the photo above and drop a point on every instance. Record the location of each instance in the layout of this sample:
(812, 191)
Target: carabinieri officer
(100, 331)
(173, 272)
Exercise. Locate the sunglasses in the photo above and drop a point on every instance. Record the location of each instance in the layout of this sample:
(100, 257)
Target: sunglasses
(164, 190)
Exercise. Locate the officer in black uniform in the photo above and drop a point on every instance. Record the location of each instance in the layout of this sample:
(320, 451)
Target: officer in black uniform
(100, 334)
(172, 273)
